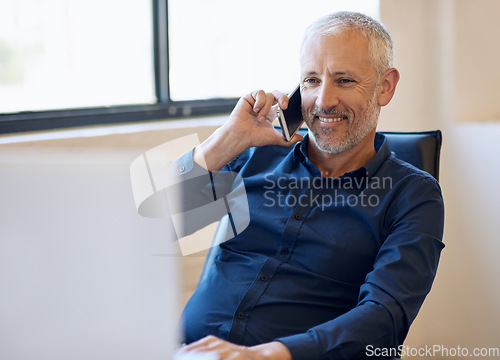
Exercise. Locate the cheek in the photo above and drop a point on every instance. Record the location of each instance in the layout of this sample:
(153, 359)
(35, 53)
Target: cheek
(307, 103)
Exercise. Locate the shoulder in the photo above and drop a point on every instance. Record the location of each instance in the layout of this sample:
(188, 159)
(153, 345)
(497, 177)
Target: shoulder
(416, 197)
(406, 174)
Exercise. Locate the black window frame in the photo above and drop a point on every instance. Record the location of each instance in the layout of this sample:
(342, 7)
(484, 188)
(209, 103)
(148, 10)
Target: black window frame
(165, 108)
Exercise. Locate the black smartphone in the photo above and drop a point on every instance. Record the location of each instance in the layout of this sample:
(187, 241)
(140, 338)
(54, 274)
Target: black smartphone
(291, 119)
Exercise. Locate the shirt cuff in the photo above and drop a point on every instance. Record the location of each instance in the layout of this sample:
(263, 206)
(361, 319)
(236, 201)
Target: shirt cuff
(301, 346)
(184, 163)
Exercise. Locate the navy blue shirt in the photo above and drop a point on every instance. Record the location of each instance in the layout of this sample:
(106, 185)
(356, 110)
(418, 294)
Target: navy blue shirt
(326, 266)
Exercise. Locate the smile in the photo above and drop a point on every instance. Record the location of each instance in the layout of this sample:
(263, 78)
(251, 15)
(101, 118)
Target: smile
(330, 120)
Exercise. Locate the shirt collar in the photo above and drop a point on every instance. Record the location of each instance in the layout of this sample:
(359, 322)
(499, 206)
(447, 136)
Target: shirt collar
(382, 152)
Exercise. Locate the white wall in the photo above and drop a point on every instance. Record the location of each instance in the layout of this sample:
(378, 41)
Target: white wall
(447, 52)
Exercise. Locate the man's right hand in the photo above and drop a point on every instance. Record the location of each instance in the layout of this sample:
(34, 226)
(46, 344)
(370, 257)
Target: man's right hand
(250, 124)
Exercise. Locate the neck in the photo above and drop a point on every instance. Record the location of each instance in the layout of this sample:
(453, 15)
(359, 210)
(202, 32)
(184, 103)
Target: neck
(335, 165)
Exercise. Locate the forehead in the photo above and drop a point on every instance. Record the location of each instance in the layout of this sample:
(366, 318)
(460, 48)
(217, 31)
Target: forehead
(341, 50)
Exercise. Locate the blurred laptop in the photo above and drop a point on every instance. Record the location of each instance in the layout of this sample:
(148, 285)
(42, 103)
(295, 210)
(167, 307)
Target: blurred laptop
(82, 275)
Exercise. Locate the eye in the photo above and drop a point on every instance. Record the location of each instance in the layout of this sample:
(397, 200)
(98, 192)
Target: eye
(346, 81)
(311, 81)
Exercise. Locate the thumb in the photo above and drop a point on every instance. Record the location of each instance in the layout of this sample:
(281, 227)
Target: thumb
(295, 139)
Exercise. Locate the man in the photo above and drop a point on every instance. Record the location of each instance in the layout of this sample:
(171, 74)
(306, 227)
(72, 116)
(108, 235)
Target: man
(324, 273)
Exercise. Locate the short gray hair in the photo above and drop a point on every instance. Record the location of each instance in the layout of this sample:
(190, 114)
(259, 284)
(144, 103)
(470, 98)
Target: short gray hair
(380, 45)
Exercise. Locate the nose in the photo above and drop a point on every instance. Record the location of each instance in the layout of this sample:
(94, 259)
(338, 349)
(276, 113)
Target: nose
(327, 96)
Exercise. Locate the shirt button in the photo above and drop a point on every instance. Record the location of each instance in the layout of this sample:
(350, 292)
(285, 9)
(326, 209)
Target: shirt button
(285, 251)
(264, 277)
(240, 315)
(298, 217)
(181, 168)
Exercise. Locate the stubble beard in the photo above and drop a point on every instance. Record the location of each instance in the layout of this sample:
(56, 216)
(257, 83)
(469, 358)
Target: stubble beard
(323, 137)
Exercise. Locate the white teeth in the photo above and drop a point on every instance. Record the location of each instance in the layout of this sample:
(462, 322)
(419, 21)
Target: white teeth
(329, 120)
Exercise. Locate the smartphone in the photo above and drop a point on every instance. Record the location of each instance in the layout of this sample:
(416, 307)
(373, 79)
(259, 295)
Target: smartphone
(291, 119)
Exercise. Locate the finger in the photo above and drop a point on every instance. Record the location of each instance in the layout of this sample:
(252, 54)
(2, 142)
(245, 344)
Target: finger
(295, 139)
(281, 141)
(264, 111)
(273, 114)
(281, 98)
(199, 348)
(270, 117)
(198, 344)
(260, 100)
(211, 345)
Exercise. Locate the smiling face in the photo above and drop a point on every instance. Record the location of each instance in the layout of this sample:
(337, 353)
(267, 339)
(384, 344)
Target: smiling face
(340, 92)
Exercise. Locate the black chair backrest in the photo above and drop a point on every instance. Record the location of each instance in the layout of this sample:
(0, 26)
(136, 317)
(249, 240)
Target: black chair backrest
(421, 149)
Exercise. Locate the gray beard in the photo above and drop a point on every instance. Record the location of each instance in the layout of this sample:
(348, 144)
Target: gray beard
(353, 135)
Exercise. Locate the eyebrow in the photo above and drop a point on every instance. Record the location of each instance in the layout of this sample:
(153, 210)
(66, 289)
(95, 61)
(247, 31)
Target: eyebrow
(337, 73)
(343, 73)
(310, 73)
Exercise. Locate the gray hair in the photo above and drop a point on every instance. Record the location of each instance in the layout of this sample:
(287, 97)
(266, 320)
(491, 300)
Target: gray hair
(380, 45)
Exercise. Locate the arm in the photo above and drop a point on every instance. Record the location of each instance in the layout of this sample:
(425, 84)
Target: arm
(199, 195)
(250, 124)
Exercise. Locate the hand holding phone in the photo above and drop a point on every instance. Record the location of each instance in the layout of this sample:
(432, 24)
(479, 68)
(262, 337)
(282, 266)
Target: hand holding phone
(291, 119)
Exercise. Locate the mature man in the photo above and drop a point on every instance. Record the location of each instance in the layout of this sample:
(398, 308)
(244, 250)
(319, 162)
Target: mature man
(311, 279)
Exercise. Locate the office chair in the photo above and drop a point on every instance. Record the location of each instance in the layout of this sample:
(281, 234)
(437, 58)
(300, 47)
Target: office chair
(421, 149)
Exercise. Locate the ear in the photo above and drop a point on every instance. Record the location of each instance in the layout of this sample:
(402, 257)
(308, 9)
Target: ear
(387, 86)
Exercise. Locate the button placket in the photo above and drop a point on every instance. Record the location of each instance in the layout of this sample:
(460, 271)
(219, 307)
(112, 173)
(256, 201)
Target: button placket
(240, 315)
(291, 232)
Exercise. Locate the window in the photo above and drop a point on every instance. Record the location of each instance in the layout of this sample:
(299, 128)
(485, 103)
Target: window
(68, 54)
(77, 62)
(242, 45)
